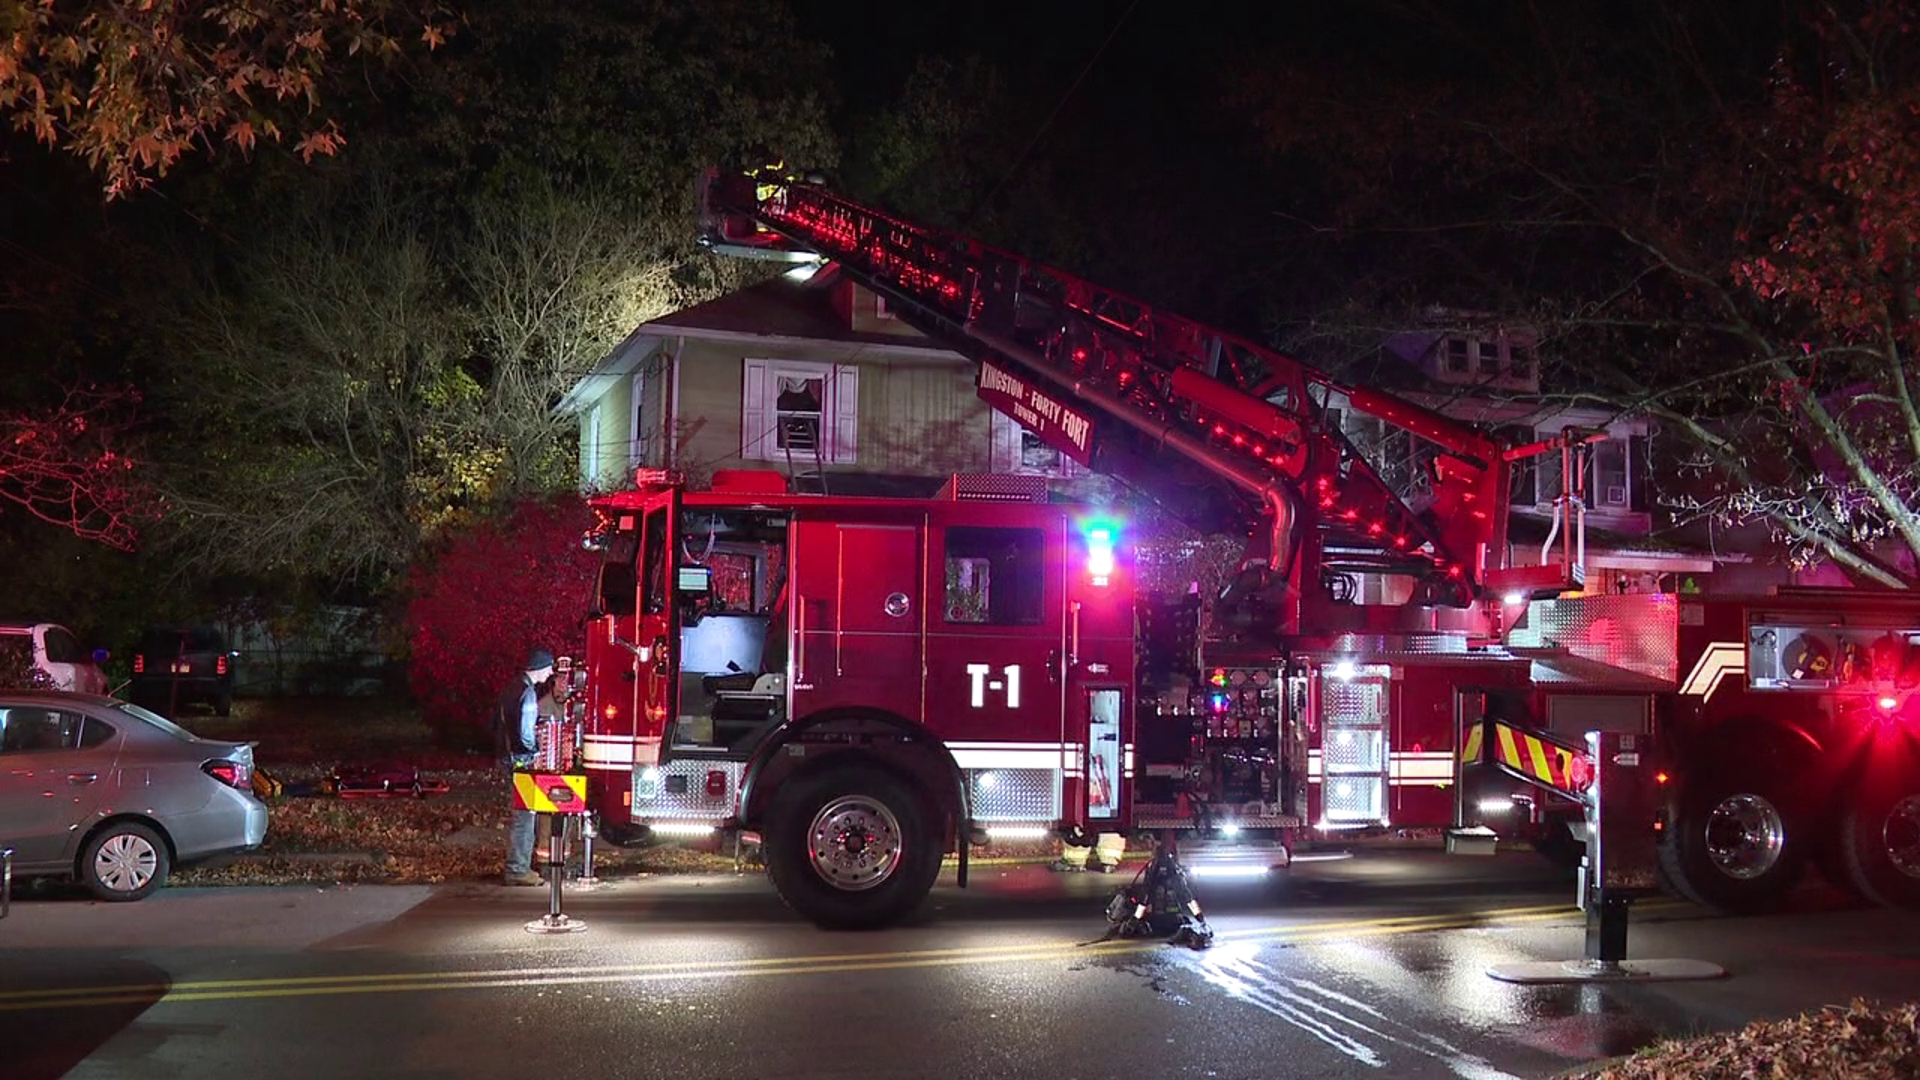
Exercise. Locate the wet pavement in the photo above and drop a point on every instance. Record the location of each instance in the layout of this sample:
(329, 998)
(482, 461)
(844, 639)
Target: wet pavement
(1374, 966)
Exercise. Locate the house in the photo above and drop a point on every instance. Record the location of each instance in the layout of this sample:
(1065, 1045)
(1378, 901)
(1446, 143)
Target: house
(814, 379)
(1488, 373)
(817, 380)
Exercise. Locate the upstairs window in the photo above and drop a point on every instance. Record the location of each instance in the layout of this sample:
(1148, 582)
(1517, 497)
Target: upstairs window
(797, 411)
(1020, 452)
(1617, 478)
(1498, 356)
(1487, 351)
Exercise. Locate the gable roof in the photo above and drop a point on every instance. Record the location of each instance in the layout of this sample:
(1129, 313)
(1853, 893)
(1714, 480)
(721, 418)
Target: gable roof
(780, 308)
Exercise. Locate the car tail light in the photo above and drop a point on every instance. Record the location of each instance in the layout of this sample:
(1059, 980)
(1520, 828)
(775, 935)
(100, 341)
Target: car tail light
(230, 773)
(139, 663)
(220, 664)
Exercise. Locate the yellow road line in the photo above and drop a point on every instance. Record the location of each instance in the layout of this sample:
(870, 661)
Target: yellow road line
(328, 985)
(969, 950)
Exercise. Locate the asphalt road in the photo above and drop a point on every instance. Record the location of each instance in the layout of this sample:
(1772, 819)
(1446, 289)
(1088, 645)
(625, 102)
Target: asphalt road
(1371, 967)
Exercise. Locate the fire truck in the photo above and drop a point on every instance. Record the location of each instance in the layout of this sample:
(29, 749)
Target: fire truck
(867, 685)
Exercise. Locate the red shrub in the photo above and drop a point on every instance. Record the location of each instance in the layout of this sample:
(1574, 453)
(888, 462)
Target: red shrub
(489, 595)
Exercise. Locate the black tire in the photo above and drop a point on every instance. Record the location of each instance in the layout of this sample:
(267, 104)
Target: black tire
(1879, 842)
(1734, 846)
(851, 882)
(223, 703)
(124, 861)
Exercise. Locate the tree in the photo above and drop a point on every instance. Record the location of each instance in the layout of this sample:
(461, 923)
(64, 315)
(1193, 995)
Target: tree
(366, 375)
(69, 466)
(549, 280)
(1712, 215)
(320, 415)
(627, 97)
(133, 87)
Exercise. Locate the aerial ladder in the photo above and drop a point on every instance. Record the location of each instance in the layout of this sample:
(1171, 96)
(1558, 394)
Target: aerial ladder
(1227, 435)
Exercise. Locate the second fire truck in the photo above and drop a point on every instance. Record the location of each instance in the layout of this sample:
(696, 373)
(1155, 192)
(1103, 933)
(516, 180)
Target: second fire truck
(870, 684)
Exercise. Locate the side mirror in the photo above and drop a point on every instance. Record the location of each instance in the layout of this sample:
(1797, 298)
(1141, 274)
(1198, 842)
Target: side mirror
(101, 656)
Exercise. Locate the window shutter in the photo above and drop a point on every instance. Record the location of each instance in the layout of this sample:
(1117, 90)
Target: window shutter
(1003, 443)
(756, 421)
(843, 415)
(590, 478)
(636, 439)
(1639, 474)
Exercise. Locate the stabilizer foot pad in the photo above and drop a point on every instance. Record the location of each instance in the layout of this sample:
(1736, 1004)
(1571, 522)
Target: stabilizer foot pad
(1540, 972)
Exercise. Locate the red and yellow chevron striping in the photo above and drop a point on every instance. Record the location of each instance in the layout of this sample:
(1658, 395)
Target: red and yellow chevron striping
(550, 793)
(1534, 758)
(1471, 747)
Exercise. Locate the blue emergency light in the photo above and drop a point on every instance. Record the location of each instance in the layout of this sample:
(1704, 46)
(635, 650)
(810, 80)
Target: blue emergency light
(1100, 553)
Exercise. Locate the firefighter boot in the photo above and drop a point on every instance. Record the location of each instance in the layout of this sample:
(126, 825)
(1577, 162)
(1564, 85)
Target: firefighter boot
(1108, 851)
(1072, 860)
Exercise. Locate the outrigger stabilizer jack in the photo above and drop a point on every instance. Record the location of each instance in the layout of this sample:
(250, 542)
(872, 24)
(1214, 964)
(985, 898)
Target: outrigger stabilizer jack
(1160, 902)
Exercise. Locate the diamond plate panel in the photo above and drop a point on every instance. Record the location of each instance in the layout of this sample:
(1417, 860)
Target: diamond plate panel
(994, 487)
(679, 789)
(1635, 631)
(1353, 751)
(1014, 794)
(1166, 816)
(1380, 646)
(1352, 799)
(1352, 704)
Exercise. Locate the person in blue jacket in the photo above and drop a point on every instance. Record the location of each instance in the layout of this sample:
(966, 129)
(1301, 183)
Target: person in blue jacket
(517, 711)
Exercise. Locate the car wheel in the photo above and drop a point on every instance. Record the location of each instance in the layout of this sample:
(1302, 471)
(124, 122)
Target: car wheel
(223, 704)
(124, 861)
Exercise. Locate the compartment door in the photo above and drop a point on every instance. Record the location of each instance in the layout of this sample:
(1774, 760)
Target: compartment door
(860, 619)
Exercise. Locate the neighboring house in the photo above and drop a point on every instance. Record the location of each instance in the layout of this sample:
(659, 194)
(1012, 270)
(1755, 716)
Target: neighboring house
(1489, 375)
(816, 380)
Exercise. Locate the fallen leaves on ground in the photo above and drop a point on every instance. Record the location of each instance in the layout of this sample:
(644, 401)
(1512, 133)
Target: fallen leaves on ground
(313, 838)
(457, 837)
(1858, 1042)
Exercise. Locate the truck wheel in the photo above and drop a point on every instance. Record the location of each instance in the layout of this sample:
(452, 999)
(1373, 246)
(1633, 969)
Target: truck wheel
(851, 848)
(124, 861)
(223, 703)
(1556, 844)
(1880, 844)
(1733, 848)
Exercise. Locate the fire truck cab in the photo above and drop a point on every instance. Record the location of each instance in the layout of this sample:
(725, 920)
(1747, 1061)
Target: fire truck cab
(867, 684)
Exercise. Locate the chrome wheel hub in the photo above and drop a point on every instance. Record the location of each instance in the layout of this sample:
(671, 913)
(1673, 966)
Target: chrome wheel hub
(1745, 834)
(125, 863)
(1900, 834)
(854, 843)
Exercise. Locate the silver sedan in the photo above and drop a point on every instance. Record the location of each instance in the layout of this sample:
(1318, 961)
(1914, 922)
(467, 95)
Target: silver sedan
(114, 795)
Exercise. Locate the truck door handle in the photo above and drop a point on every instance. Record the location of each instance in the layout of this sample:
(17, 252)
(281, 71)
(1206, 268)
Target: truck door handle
(79, 778)
(800, 639)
